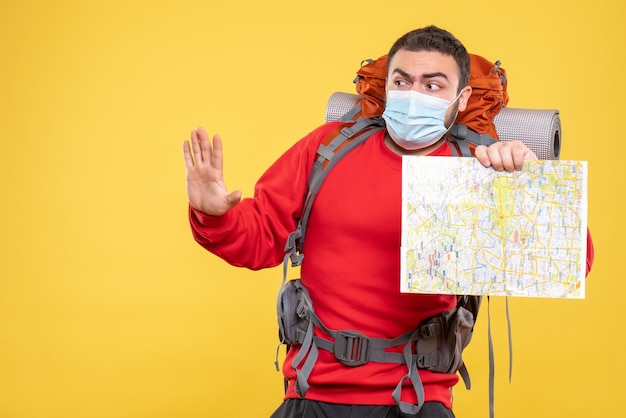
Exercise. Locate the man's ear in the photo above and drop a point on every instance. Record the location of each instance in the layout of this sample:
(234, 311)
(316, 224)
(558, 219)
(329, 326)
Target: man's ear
(464, 97)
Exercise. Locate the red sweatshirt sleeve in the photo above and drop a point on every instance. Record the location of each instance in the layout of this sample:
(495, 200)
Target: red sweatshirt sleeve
(589, 252)
(253, 233)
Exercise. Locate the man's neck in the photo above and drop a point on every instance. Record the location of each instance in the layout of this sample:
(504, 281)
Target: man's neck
(395, 148)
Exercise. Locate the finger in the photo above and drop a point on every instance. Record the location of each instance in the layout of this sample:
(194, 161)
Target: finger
(195, 147)
(520, 150)
(189, 163)
(481, 154)
(530, 155)
(495, 157)
(204, 144)
(217, 157)
(507, 157)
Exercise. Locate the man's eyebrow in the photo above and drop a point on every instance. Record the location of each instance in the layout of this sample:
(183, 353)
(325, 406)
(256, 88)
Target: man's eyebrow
(423, 76)
(435, 75)
(403, 73)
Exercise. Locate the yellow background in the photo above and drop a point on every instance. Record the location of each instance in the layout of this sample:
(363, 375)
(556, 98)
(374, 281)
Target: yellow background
(108, 308)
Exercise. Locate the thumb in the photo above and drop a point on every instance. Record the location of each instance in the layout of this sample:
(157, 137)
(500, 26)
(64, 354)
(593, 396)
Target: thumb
(233, 199)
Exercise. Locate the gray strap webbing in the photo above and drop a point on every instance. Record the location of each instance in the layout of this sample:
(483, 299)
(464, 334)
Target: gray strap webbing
(465, 375)
(328, 153)
(416, 381)
(376, 346)
(293, 245)
(377, 353)
(491, 355)
(463, 135)
(463, 147)
(491, 361)
(508, 324)
(302, 375)
(351, 114)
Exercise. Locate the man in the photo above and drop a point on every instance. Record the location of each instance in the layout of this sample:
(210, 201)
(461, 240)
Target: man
(352, 247)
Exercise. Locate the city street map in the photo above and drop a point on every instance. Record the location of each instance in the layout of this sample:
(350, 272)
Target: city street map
(473, 230)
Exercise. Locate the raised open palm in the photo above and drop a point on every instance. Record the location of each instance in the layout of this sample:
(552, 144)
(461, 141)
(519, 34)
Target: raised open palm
(205, 181)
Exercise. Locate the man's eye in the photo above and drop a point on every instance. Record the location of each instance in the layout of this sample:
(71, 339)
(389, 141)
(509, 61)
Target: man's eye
(401, 83)
(432, 86)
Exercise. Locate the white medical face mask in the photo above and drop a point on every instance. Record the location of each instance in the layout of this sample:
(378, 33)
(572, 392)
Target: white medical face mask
(415, 120)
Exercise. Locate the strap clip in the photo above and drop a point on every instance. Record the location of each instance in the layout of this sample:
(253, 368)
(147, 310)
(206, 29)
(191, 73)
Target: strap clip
(426, 361)
(428, 330)
(291, 247)
(352, 348)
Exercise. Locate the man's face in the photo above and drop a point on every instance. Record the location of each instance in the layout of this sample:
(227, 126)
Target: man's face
(431, 73)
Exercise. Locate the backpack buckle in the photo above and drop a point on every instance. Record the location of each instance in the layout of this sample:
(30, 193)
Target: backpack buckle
(428, 330)
(352, 348)
(426, 362)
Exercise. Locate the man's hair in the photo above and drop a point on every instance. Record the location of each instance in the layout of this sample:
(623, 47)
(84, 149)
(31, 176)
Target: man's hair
(432, 38)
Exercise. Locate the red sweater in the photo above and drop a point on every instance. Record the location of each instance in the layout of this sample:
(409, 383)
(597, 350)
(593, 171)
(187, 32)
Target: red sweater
(351, 264)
